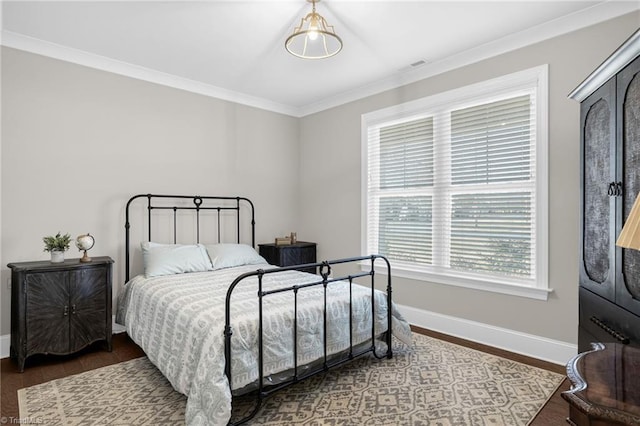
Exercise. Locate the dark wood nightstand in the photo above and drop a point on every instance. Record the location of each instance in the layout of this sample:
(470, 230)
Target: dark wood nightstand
(291, 254)
(59, 308)
(605, 390)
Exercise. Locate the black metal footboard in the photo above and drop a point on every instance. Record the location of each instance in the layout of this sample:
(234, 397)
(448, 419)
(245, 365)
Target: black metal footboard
(324, 280)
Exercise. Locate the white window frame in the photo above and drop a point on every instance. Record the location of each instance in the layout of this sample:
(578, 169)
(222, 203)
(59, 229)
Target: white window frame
(533, 79)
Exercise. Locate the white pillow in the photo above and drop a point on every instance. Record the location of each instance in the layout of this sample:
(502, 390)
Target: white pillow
(169, 259)
(230, 255)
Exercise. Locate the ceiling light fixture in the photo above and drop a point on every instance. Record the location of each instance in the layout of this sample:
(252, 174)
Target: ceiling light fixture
(313, 38)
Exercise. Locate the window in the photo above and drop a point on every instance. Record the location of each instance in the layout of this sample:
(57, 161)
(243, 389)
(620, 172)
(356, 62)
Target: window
(455, 185)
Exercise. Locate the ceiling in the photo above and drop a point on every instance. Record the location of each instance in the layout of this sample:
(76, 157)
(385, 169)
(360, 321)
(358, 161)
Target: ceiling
(234, 49)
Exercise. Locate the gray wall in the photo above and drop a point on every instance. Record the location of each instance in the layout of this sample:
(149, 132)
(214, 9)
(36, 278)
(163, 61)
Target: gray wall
(77, 143)
(331, 181)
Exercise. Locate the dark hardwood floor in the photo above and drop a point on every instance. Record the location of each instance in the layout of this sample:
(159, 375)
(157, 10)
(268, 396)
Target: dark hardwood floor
(40, 369)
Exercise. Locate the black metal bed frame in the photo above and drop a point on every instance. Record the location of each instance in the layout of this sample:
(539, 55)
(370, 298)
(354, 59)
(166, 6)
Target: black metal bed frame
(223, 204)
(197, 208)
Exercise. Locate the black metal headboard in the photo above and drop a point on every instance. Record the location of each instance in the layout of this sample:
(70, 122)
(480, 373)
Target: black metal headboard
(199, 203)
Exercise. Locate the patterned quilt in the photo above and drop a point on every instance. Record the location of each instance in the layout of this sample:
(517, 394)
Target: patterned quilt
(178, 320)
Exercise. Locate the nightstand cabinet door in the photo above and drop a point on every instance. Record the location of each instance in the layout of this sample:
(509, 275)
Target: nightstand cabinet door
(47, 315)
(59, 308)
(88, 305)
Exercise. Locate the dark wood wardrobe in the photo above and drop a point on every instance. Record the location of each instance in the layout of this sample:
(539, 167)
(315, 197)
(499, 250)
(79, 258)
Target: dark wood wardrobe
(609, 292)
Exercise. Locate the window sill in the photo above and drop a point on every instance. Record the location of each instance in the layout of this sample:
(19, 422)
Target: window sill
(476, 284)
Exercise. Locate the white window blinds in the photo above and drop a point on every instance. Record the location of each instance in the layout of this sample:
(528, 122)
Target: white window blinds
(402, 175)
(491, 189)
(451, 189)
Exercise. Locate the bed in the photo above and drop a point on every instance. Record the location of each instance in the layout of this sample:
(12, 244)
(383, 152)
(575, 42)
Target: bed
(218, 321)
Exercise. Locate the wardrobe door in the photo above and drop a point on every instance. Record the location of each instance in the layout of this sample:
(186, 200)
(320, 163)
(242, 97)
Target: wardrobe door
(628, 97)
(598, 201)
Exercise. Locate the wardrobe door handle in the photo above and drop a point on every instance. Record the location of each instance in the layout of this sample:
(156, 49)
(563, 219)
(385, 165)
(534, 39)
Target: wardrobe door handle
(66, 311)
(618, 189)
(610, 191)
(618, 336)
(73, 309)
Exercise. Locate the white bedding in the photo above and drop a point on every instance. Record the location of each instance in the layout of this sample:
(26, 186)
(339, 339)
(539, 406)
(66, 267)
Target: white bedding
(178, 320)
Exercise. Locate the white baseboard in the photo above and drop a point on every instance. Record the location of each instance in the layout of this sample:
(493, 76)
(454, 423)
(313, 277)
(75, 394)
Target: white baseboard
(531, 345)
(5, 341)
(117, 328)
(5, 344)
(514, 341)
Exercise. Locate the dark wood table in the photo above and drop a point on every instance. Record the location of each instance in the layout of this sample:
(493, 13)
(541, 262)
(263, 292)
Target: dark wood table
(298, 253)
(605, 386)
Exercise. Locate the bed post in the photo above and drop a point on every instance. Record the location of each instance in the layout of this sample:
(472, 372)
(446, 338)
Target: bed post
(389, 308)
(127, 225)
(127, 236)
(253, 221)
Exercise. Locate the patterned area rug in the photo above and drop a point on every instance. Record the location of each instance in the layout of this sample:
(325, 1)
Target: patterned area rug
(432, 383)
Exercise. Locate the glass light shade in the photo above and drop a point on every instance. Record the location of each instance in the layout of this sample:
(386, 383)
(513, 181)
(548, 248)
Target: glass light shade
(630, 235)
(313, 38)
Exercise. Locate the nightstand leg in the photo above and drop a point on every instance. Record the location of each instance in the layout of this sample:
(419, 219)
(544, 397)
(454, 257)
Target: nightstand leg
(21, 360)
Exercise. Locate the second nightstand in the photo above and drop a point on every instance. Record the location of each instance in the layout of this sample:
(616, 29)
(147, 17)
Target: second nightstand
(290, 254)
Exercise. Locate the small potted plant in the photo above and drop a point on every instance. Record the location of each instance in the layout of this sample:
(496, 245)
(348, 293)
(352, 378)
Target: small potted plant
(57, 245)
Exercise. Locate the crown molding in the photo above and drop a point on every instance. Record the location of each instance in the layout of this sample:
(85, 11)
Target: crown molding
(610, 67)
(585, 18)
(591, 16)
(103, 63)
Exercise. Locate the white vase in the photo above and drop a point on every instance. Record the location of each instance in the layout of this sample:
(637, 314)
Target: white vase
(57, 256)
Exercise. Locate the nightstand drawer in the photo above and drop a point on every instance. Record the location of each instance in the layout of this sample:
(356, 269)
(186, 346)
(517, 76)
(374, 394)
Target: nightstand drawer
(298, 253)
